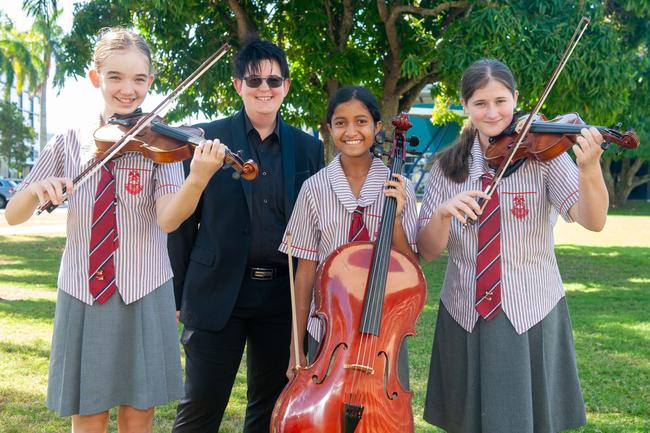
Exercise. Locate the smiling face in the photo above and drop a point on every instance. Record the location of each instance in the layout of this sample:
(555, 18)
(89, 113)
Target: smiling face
(353, 129)
(124, 79)
(490, 109)
(262, 103)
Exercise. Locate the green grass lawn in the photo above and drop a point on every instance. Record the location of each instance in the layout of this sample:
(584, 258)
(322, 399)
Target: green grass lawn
(608, 290)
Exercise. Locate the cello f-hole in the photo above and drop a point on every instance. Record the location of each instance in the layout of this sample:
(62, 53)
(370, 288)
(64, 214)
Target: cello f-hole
(314, 378)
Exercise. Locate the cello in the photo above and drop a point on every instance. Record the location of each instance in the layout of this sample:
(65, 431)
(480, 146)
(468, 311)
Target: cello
(369, 298)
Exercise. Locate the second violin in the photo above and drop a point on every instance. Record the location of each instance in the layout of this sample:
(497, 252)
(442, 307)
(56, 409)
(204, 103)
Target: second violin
(547, 139)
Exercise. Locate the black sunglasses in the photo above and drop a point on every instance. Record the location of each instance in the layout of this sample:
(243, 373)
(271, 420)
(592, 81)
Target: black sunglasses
(255, 81)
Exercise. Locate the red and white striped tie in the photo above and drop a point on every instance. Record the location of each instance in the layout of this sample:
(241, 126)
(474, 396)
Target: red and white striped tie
(488, 258)
(358, 229)
(103, 238)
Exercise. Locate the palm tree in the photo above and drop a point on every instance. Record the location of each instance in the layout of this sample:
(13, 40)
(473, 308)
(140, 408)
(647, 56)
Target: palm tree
(45, 13)
(19, 60)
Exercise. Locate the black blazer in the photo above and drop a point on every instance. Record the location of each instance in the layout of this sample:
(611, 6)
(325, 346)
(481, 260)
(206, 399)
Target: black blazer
(209, 251)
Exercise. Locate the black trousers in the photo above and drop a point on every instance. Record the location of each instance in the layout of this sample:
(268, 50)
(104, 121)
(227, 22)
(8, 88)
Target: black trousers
(261, 322)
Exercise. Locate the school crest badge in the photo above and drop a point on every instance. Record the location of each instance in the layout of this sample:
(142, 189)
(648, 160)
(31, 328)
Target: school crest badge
(133, 184)
(519, 209)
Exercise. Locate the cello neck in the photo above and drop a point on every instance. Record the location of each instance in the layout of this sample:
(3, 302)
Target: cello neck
(376, 285)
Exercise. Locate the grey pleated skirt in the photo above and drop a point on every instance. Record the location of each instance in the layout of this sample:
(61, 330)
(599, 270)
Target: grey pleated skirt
(114, 354)
(496, 381)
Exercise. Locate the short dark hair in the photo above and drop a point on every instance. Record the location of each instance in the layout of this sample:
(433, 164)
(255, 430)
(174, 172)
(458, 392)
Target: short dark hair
(361, 94)
(249, 58)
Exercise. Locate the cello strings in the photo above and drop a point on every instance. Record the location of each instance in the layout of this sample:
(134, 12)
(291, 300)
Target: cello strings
(381, 269)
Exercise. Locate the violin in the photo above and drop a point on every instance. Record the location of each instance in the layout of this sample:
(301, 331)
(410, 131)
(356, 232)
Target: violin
(548, 139)
(369, 298)
(544, 139)
(164, 144)
(139, 126)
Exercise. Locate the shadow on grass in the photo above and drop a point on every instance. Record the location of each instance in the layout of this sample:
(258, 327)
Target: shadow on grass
(33, 350)
(31, 309)
(30, 260)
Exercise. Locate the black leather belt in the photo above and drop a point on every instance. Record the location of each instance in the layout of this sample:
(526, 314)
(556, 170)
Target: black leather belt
(267, 272)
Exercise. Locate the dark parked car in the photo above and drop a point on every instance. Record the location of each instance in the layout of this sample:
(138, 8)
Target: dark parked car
(7, 190)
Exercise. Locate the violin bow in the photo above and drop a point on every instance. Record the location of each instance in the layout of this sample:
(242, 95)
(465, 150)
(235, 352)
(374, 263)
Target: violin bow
(582, 26)
(292, 289)
(140, 125)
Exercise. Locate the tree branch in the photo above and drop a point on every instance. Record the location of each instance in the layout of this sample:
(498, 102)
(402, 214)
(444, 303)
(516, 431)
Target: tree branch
(245, 26)
(640, 180)
(416, 10)
(346, 24)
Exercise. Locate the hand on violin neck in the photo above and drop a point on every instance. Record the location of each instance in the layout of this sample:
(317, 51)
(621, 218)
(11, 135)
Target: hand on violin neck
(588, 150)
(207, 160)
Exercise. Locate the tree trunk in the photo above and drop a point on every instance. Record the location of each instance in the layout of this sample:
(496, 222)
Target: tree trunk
(42, 135)
(620, 181)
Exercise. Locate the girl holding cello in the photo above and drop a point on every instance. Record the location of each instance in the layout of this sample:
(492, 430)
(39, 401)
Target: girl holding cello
(503, 358)
(343, 203)
(115, 340)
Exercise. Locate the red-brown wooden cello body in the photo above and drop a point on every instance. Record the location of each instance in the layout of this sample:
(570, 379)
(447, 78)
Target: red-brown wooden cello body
(369, 297)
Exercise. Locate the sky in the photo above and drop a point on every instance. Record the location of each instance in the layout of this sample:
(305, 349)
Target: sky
(63, 103)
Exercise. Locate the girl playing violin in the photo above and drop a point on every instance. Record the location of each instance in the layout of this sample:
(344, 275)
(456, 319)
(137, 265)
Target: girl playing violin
(503, 357)
(115, 340)
(343, 203)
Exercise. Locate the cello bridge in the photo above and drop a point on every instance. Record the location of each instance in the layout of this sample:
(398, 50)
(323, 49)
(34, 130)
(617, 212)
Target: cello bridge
(362, 368)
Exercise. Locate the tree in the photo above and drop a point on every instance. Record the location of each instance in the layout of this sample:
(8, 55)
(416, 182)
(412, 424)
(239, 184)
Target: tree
(18, 62)
(49, 33)
(13, 135)
(393, 47)
(606, 80)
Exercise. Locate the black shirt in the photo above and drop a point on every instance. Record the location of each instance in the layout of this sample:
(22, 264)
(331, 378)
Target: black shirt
(269, 219)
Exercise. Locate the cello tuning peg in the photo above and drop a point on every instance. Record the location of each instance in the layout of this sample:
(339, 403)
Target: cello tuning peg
(414, 141)
(377, 150)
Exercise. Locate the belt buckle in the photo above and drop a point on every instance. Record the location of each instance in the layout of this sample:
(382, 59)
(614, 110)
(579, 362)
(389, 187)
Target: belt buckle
(262, 273)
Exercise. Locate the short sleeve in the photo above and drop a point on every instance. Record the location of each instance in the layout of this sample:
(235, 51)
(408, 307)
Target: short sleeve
(51, 161)
(562, 179)
(410, 215)
(168, 179)
(434, 195)
(303, 226)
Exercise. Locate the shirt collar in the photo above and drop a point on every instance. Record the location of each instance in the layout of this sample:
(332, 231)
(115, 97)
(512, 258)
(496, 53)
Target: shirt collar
(478, 165)
(250, 127)
(372, 187)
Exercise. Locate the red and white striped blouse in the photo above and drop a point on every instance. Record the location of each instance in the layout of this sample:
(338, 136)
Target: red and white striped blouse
(321, 218)
(530, 199)
(141, 260)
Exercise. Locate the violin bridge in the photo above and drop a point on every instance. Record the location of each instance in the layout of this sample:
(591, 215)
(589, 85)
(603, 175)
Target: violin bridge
(362, 368)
